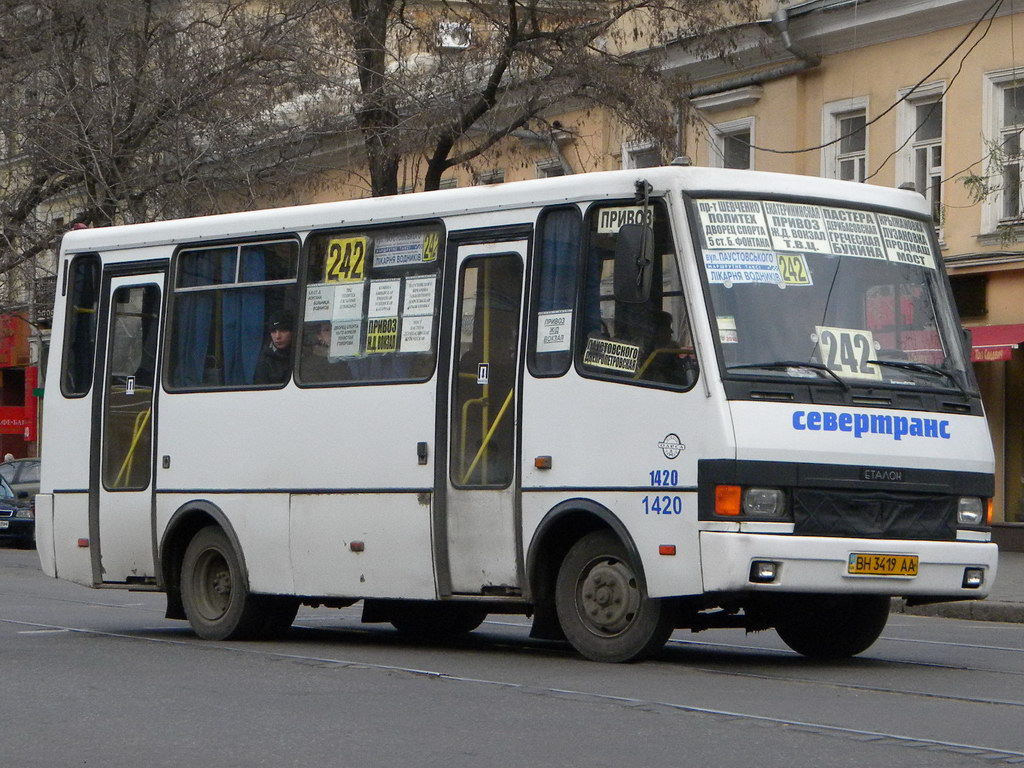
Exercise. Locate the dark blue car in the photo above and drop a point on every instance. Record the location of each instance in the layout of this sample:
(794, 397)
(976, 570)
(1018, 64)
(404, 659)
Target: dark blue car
(17, 518)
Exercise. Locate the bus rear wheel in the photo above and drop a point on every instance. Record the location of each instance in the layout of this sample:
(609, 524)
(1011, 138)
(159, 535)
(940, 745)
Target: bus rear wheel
(216, 597)
(831, 626)
(601, 607)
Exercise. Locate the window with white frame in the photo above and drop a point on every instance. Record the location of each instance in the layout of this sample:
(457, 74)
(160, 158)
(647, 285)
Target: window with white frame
(549, 168)
(640, 154)
(731, 144)
(853, 151)
(1011, 125)
(928, 154)
(494, 176)
(919, 159)
(1003, 112)
(844, 132)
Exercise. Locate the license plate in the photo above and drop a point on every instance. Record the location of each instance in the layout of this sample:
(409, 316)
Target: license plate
(866, 564)
(5, 523)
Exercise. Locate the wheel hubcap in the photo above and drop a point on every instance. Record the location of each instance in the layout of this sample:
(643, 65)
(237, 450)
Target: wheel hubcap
(213, 584)
(607, 597)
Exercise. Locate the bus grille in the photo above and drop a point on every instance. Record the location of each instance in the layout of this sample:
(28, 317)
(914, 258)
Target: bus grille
(874, 514)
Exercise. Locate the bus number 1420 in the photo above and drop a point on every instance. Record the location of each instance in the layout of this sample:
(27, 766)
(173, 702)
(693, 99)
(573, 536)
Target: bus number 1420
(663, 505)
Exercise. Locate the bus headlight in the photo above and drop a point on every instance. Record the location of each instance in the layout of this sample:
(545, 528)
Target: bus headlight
(764, 502)
(970, 510)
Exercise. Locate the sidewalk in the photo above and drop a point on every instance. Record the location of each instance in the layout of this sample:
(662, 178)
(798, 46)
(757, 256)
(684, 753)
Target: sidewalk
(1004, 603)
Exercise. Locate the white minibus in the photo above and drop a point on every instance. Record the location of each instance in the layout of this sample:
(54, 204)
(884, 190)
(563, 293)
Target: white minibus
(620, 403)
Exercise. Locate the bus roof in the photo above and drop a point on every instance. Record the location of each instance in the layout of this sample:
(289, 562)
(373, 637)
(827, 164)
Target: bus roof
(468, 200)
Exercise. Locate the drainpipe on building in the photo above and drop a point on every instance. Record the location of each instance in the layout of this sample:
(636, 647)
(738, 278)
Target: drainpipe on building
(779, 25)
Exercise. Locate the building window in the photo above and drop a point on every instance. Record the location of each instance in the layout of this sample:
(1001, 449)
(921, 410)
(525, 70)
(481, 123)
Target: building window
(496, 176)
(999, 183)
(853, 154)
(1011, 125)
(640, 154)
(969, 293)
(550, 168)
(844, 132)
(928, 154)
(920, 125)
(454, 35)
(731, 144)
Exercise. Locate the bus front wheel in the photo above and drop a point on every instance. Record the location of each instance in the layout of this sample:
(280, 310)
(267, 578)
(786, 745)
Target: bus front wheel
(831, 626)
(601, 606)
(216, 597)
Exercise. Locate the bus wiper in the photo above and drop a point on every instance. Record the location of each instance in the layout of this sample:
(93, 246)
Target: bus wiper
(794, 364)
(910, 365)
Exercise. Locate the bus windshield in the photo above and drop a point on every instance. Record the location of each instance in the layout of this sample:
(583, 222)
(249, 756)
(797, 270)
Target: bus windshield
(844, 295)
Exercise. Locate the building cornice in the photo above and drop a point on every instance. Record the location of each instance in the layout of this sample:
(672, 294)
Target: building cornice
(828, 27)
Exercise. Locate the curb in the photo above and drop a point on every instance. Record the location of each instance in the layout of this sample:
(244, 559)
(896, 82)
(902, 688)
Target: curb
(974, 610)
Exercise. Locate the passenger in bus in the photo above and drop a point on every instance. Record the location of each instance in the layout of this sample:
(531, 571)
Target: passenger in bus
(274, 365)
(668, 361)
(316, 366)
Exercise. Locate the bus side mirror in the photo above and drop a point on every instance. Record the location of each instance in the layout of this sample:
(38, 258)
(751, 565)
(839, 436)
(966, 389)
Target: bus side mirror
(634, 263)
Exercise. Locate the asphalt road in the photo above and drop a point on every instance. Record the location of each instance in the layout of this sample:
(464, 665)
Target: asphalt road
(100, 678)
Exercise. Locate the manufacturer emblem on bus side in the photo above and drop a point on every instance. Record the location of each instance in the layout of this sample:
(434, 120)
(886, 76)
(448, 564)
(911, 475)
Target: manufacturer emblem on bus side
(671, 446)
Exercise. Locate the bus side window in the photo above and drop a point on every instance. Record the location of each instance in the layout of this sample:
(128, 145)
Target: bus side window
(224, 297)
(80, 338)
(555, 277)
(647, 342)
(372, 299)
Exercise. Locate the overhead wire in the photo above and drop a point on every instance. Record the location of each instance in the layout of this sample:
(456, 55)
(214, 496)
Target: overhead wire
(945, 90)
(992, 9)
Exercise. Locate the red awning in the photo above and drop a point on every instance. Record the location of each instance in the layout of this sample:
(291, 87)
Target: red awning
(995, 342)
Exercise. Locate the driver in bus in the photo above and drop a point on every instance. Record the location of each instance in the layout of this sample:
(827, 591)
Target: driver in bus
(274, 365)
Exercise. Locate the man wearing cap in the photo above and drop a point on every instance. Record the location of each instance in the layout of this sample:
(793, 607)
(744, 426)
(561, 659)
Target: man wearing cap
(274, 365)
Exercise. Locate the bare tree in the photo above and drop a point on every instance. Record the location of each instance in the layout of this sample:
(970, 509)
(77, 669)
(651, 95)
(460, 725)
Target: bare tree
(451, 79)
(116, 111)
(125, 110)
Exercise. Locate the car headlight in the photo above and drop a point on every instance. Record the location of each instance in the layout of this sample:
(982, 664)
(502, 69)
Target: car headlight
(25, 514)
(970, 510)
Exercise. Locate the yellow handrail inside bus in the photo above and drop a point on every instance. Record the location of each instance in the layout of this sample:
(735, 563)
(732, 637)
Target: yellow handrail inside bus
(488, 436)
(660, 351)
(125, 473)
(464, 426)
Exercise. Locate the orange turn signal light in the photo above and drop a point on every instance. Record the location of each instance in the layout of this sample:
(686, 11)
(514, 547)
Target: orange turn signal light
(727, 500)
(666, 549)
(988, 513)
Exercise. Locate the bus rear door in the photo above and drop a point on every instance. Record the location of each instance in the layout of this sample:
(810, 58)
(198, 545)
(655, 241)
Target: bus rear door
(121, 487)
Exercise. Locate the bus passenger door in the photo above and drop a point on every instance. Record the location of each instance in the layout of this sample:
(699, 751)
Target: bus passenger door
(121, 490)
(481, 507)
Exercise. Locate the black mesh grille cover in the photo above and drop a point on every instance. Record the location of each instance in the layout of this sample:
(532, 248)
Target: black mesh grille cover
(874, 514)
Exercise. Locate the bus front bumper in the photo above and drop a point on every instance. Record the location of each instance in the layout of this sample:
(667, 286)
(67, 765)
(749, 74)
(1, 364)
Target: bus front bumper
(951, 570)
